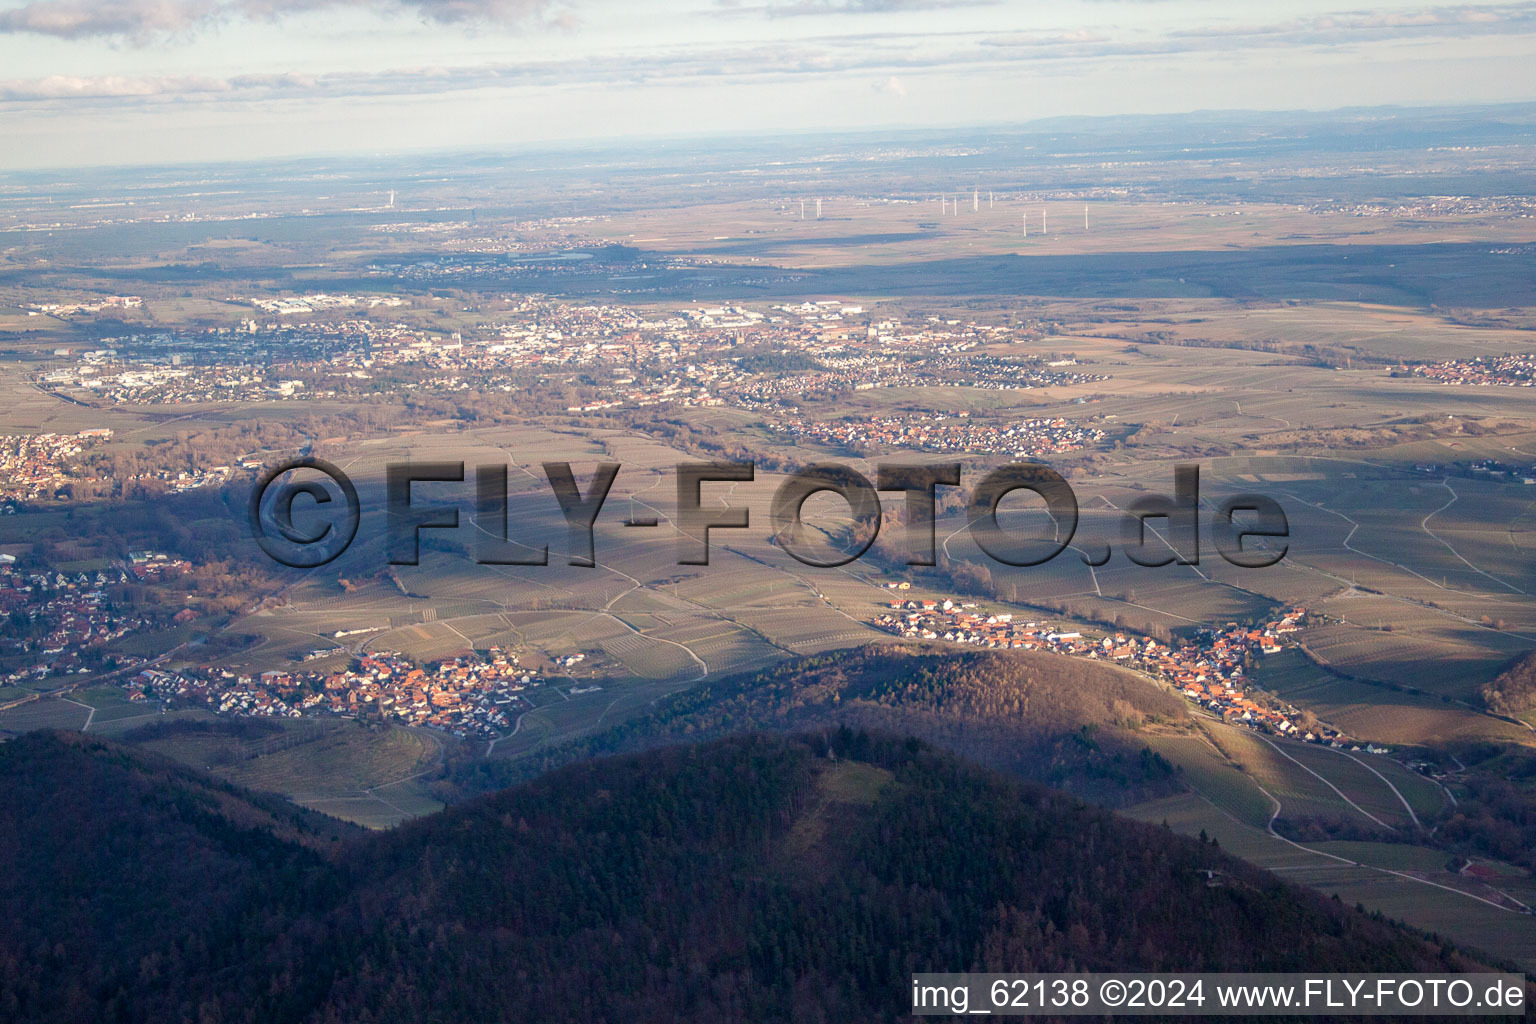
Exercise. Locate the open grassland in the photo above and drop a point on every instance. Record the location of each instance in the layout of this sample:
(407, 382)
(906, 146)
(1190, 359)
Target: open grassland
(648, 618)
(46, 713)
(875, 231)
(1241, 779)
(1387, 331)
(1314, 781)
(370, 776)
(97, 709)
(649, 625)
(342, 770)
(1433, 903)
(1404, 882)
(1394, 856)
(342, 761)
(1302, 794)
(1372, 711)
(1445, 555)
(112, 708)
(1359, 780)
(1440, 668)
(1213, 776)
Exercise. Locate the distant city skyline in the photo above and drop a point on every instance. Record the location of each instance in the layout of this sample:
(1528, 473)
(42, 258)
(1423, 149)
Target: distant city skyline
(157, 81)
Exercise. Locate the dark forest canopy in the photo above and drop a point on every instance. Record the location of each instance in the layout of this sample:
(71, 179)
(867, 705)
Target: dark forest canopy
(756, 878)
(1068, 723)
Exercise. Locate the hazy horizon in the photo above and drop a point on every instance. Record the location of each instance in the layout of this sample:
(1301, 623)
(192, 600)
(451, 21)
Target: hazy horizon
(726, 140)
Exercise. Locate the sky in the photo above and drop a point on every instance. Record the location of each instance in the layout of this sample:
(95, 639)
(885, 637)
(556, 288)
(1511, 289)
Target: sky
(164, 81)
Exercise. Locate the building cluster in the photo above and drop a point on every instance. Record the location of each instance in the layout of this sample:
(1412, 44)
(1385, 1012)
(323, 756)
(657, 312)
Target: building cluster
(41, 466)
(253, 361)
(182, 385)
(152, 566)
(607, 355)
(946, 432)
(866, 370)
(1518, 371)
(35, 466)
(1497, 469)
(68, 309)
(1484, 469)
(473, 696)
(558, 234)
(1211, 668)
(55, 622)
(318, 302)
(1420, 207)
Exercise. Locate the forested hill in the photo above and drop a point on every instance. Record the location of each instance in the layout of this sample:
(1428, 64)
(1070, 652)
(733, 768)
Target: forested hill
(758, 878)
(1068, 723)
(129, 881)
(1513, 690)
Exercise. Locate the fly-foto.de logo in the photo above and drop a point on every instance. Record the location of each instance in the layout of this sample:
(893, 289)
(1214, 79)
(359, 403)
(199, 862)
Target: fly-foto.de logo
(306, 512)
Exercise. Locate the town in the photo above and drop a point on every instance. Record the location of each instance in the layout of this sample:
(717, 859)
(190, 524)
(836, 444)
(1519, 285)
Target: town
(605, 356)
(941, 432)
(471, 696)
(35, 467)
(1516, 371)
(1211, 668)
(58, 623)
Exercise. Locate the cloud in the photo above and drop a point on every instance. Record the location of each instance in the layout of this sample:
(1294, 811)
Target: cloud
(74, 87)
(141, 22)
(767, 61)
(1351, 26)
(133, 19)
(800, 8)
(885, 60)
(457, 12)
(1343, 29)
(736, 63)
